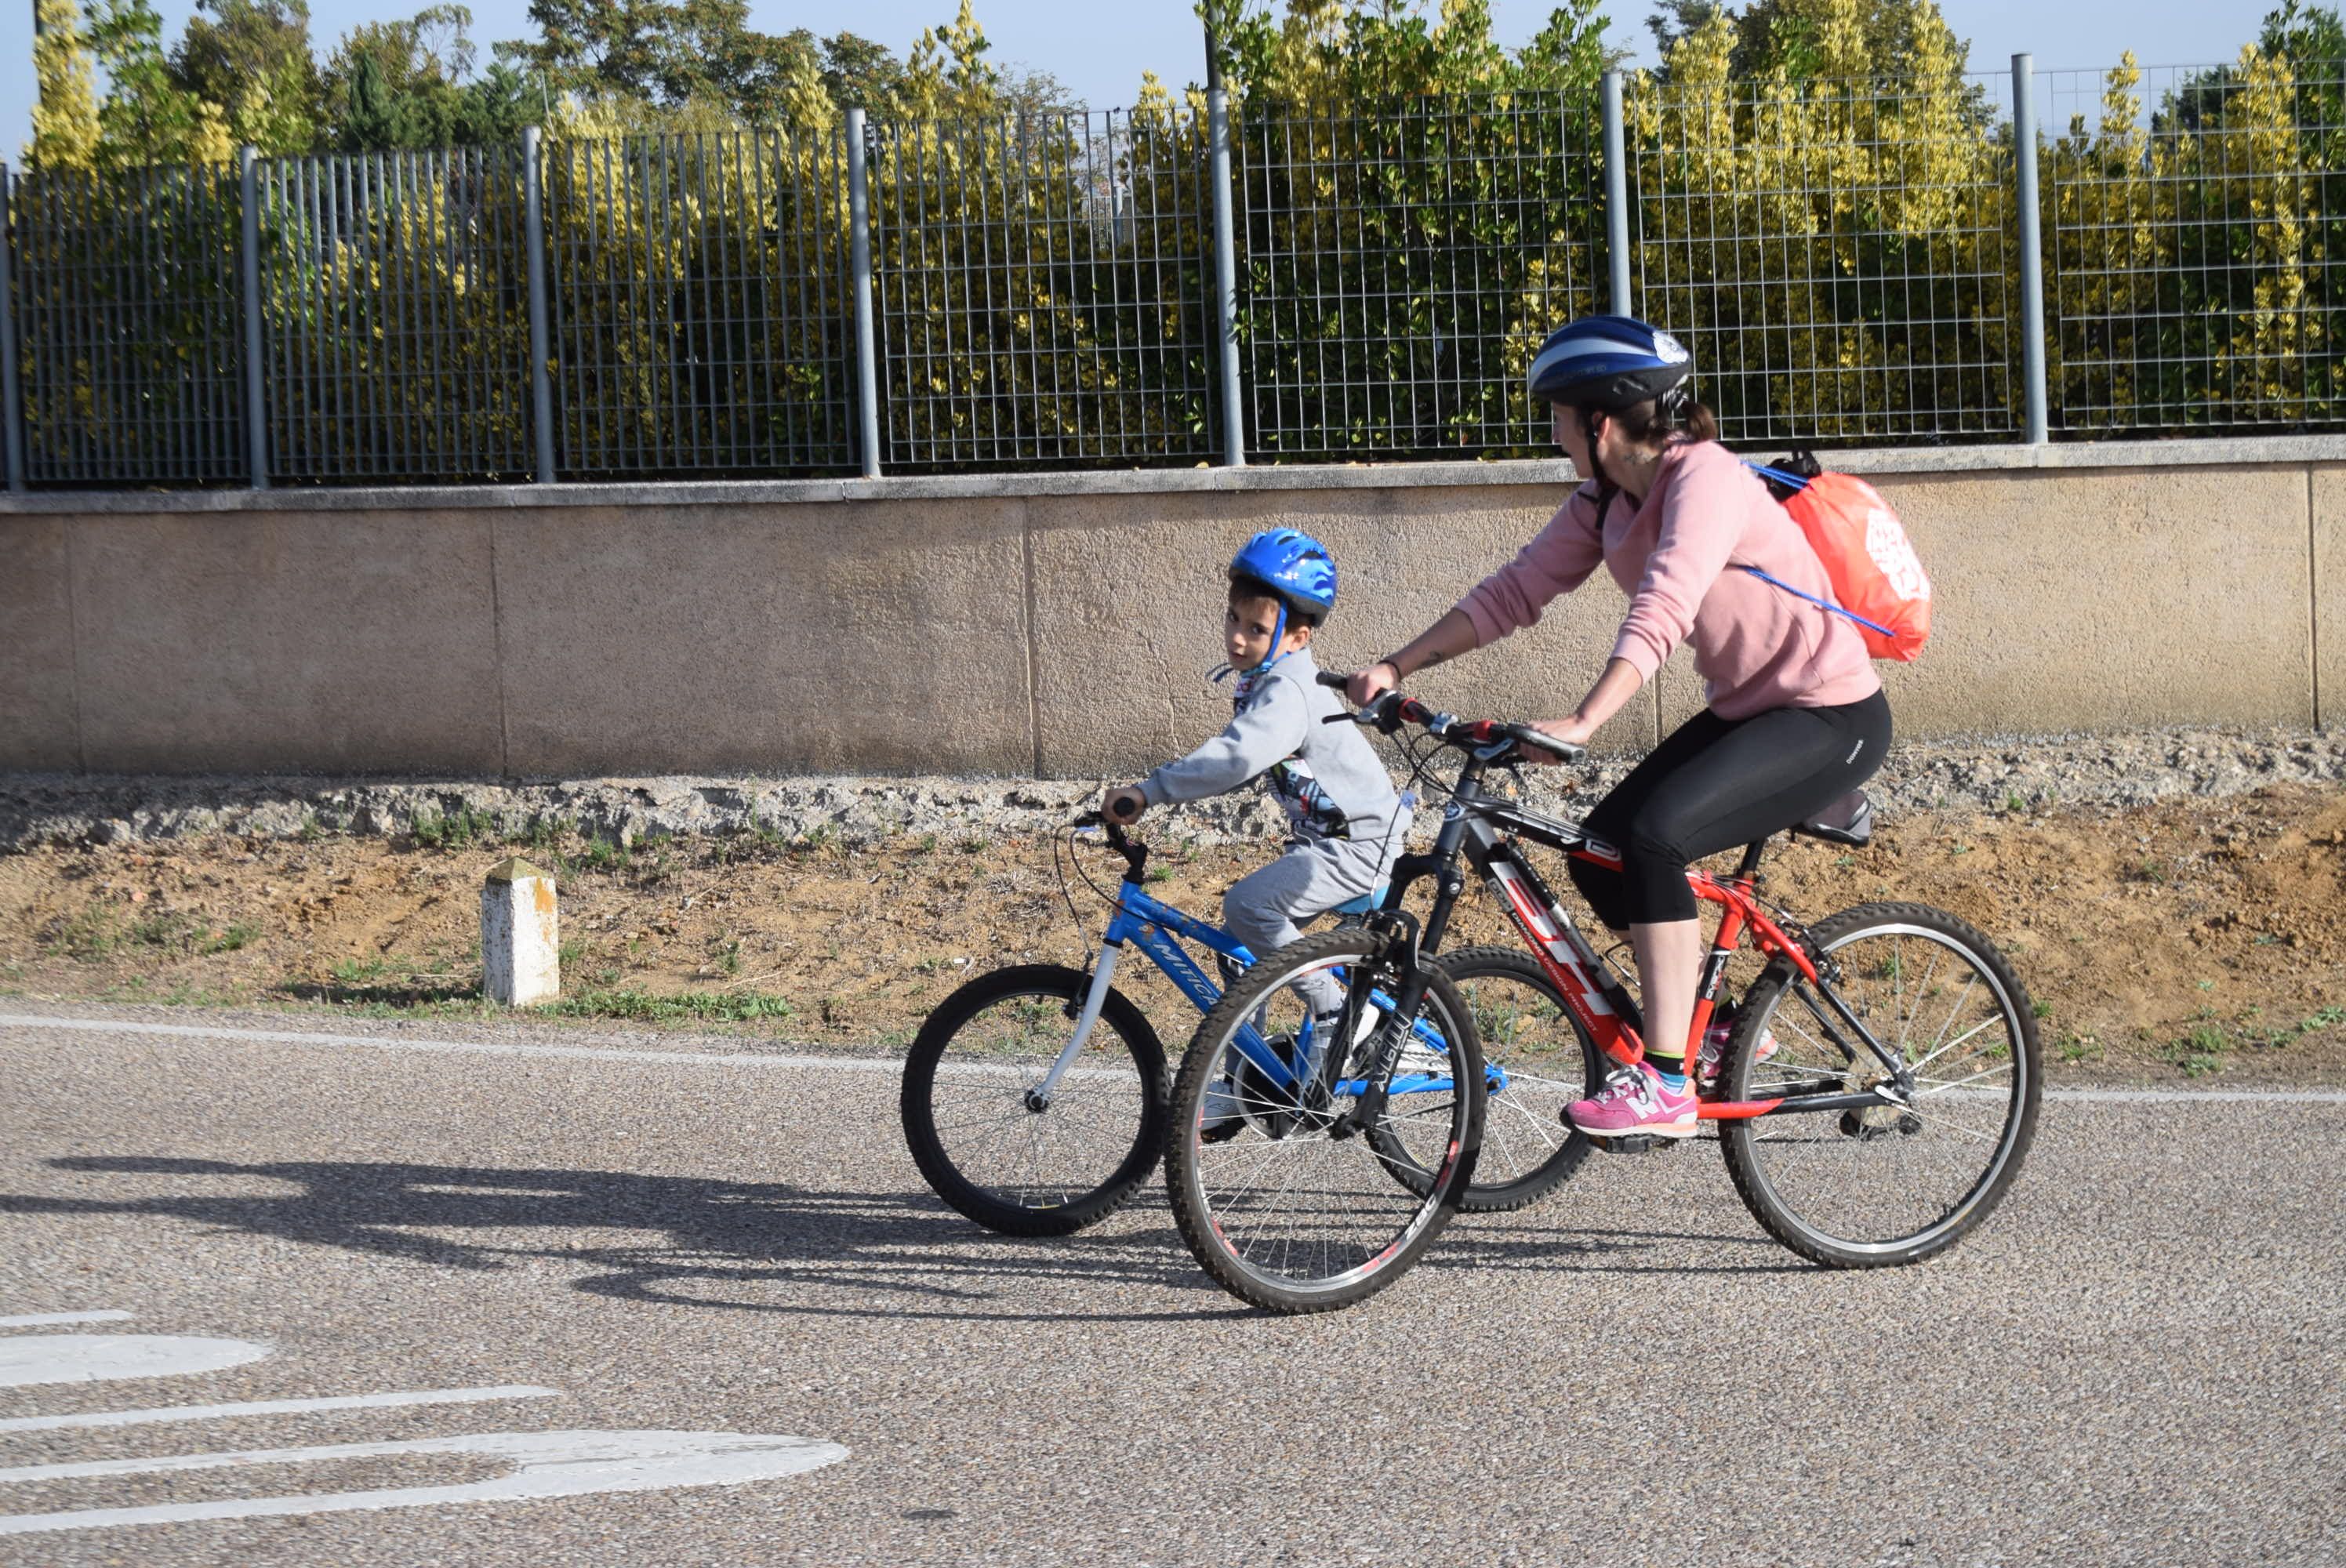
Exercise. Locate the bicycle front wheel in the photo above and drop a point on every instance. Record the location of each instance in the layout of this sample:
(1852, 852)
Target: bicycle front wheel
(989, 1147)
(1884, 1184)
(1282, 1194)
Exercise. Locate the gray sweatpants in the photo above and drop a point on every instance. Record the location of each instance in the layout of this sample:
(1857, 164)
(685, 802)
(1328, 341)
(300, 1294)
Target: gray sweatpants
(1262, 910)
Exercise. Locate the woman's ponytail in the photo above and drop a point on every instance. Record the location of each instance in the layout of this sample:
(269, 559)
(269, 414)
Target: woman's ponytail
(1674, 416)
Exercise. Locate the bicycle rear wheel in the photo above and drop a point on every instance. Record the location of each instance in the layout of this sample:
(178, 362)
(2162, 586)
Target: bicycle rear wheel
(1286, 1204)
(977, 1136)
(1885, 1185)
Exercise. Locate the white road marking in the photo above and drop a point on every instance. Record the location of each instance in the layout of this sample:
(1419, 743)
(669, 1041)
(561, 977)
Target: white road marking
(460, 1047)
(276, 1407)
(895, 1067)
(2202, 1096)
(892, 1066)
(46, 1320)
(104, 1357)
(547, 1464)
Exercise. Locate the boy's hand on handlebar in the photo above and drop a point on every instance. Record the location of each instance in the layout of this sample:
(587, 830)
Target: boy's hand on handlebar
(1365, 685)
(1123, 806)
(1573, 731)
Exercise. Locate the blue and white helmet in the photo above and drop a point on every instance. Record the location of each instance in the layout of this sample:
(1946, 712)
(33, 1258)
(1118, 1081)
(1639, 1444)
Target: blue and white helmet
(1611, 362)
(1291, 564)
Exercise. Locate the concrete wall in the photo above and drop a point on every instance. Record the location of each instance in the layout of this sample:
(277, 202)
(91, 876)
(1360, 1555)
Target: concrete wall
(1058, 625)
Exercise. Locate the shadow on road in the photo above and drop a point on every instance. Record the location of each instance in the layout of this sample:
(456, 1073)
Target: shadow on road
(771, 1247)
(739, 1245)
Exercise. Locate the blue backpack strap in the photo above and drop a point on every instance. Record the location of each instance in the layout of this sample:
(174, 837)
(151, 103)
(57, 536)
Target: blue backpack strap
(1823, 603)
(1789, 480)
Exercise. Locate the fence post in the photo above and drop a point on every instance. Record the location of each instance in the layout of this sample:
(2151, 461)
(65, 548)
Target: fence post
(256, 404)
(1617, 197)
(541, 388)
(1226, 275)
(2032, 245)
(12, 395)
(858, 259)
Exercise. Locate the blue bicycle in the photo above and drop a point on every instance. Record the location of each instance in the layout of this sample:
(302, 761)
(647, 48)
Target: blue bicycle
(1035, 1099)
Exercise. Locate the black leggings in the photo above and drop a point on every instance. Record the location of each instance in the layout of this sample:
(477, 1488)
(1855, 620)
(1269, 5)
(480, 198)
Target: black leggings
(1716, 783)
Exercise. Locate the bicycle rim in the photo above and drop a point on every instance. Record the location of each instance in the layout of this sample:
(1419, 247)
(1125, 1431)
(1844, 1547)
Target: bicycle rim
(1886, 1183)
(979, 1139)
(1290, 1212)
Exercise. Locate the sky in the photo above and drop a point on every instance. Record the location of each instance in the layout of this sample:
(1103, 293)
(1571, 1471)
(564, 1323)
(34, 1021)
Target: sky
(1100, 50)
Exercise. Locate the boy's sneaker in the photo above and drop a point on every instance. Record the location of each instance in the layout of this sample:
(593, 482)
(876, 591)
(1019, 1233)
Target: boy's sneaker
(1714, 1046)
(1635, 1100)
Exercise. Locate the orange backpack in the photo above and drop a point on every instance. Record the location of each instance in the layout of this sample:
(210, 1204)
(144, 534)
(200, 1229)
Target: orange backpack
(1876, 576)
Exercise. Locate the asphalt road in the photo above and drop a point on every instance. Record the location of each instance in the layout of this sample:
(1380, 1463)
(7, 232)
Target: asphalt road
(2137, 1360)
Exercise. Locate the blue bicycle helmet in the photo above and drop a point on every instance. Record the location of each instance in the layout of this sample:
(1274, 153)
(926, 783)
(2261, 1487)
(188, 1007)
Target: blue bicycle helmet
(1291, 564)
(1292, 567)
(1610, 362)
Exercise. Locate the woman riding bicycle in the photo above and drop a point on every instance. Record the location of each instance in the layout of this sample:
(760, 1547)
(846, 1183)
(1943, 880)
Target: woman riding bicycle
(1795, 718)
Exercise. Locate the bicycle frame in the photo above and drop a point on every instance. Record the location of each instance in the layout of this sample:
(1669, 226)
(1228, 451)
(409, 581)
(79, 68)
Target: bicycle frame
(1483, 827)
(1157, 929)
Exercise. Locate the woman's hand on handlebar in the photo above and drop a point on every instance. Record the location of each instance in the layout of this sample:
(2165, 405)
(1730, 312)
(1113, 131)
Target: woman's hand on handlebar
(1365, 685)
(1123, 806)
(1573, 731)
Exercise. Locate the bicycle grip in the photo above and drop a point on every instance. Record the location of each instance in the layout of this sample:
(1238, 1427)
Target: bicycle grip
(1328, 677)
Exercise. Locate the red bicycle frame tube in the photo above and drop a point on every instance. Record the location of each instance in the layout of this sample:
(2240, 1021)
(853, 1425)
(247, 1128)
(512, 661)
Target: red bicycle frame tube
(1545, 931)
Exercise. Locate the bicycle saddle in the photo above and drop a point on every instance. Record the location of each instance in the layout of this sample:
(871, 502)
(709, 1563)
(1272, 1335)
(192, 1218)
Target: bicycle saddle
(1848, 820)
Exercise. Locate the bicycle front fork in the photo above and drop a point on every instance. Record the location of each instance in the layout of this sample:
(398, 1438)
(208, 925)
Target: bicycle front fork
(1039, 1098)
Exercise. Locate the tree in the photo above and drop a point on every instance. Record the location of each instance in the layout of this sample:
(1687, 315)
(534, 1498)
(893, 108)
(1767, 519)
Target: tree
(858, 73)
(404, 85)
(667, 52)
(148, 117)
(249, 59)
(64, 115)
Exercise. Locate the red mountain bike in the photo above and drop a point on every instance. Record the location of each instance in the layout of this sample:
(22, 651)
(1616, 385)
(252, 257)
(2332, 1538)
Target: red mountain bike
(1876, 1095)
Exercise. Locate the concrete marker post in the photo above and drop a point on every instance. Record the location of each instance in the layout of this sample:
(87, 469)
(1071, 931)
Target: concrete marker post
(521, 935)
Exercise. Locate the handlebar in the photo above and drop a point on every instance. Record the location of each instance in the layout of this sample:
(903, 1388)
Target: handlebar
(1135, 856)
(1391, 710)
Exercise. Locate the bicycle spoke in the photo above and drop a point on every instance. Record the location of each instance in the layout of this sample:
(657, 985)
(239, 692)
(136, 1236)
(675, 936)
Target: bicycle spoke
(1893, 1181)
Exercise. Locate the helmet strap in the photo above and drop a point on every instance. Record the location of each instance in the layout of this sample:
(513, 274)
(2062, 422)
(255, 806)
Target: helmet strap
(1278, 636)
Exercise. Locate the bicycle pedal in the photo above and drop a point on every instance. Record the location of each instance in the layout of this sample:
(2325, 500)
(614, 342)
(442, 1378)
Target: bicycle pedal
(1637, 1144)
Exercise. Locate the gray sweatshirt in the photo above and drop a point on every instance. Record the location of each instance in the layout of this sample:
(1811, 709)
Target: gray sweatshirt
(1326, 776)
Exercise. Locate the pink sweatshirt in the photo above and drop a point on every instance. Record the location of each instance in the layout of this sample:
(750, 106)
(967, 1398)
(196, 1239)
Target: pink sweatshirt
(1755, 645)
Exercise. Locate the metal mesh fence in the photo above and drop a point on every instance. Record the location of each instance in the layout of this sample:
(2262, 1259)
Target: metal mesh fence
(128, 325)
(1042, 290)
(701, 323)
(1840, 258)
(1399, 268)
(2196, 224)
(395, 317)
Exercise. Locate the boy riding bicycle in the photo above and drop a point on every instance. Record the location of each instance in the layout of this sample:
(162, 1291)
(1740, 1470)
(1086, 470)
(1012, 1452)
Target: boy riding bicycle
(1344, 820)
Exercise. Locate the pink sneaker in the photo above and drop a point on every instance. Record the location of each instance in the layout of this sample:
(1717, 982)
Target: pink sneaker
(1635, 1100)
(1714, 1046)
